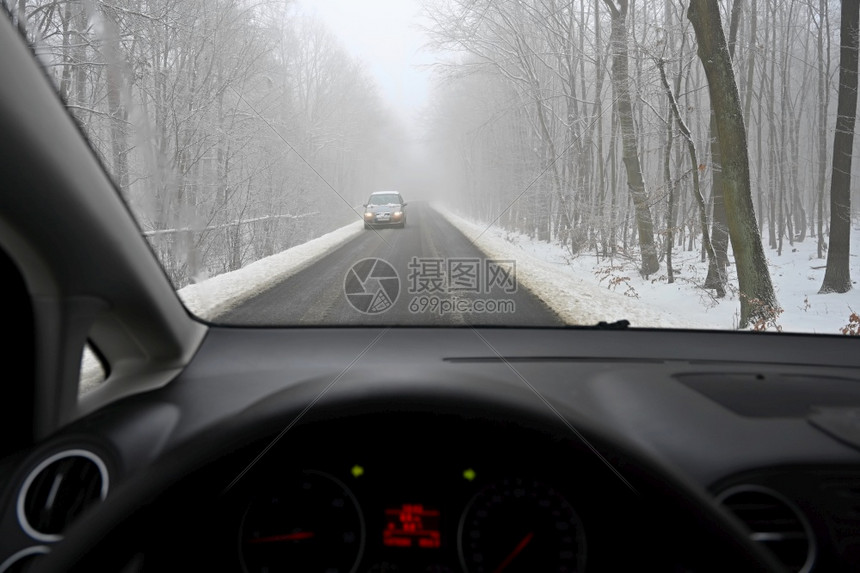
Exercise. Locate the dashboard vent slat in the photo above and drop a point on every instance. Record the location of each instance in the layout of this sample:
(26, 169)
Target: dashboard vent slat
(58, 490)
(774, 522)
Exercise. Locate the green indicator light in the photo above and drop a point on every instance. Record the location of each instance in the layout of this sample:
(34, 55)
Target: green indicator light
(357, 471)
(469, 474)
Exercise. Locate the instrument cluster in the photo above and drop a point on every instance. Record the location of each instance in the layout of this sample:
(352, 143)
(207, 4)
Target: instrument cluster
(315, 521)
(457, 496)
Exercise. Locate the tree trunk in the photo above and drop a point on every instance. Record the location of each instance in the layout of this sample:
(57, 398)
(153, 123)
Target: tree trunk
(116, 109)
(20, 15)
(630, 153)
(697, 193)
(717, 275)
(670, 207)
(751, 49)
(758, 302)
(823, 105)
(837, 277)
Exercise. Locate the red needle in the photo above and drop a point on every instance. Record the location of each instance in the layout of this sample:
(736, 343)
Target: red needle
(520, 546)
(283, 537)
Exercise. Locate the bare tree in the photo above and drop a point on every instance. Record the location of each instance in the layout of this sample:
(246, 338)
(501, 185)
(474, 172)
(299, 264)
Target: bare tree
(630, 152)
(837, 277)
(758, 301)
(697, 193)
(716, 278)
(821, 22)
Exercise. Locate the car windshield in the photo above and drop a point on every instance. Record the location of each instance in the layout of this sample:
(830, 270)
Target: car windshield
(658, 164)
(384, 199)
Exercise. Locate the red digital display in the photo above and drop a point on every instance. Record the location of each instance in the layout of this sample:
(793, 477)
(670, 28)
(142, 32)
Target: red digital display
(411, 525)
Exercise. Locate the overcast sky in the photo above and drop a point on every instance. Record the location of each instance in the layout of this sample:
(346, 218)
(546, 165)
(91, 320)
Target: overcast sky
(384, 34)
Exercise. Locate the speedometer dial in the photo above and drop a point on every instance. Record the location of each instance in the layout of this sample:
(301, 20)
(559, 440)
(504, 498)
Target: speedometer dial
(309, 522)
(517, 525)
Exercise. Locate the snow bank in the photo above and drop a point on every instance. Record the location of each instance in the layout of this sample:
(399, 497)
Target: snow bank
(212, 297)
(586, 289)
(544, 270)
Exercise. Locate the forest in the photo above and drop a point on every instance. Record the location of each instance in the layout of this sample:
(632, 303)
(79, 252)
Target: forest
(597, 124)
(618, 128)
(223, 122)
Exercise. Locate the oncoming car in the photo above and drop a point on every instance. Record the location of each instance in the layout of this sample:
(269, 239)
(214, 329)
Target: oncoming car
(562, 364)
(383, 209)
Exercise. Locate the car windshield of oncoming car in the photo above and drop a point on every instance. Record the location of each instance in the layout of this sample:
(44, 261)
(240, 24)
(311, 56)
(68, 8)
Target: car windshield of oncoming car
(565, 163)
(388, 199)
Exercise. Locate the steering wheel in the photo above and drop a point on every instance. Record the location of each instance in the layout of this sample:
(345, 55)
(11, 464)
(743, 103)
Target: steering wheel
(106, 537)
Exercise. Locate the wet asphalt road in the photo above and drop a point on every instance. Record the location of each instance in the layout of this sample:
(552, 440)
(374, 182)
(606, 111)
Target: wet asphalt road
(438, 278)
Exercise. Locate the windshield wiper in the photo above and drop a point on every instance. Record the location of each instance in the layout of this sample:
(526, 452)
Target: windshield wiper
(617, 325)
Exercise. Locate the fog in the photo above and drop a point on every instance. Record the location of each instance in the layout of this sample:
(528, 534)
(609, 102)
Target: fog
(236, 129)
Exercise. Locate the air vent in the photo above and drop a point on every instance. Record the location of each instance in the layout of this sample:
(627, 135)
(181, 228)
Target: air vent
(22, 560)
(58, 490)
(774, 522)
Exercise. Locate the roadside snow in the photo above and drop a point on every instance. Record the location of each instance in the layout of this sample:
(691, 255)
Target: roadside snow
(212, 297)
(583, 289)
(586, 290)
(572, 292)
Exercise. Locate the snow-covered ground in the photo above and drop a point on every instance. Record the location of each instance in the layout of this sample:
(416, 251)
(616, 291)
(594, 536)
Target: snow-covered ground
(211, 297)
(585, 290)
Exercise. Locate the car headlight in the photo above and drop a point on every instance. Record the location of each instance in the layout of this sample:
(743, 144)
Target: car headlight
(368, 215)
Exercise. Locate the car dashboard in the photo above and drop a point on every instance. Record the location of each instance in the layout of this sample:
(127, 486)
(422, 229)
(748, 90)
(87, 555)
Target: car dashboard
(415, 491)
(458, 450)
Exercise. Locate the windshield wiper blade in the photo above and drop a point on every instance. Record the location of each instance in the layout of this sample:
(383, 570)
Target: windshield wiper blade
(617, 325)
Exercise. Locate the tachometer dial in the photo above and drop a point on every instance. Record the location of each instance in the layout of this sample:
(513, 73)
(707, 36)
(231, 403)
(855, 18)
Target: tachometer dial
(519, 525)
(309, 523)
